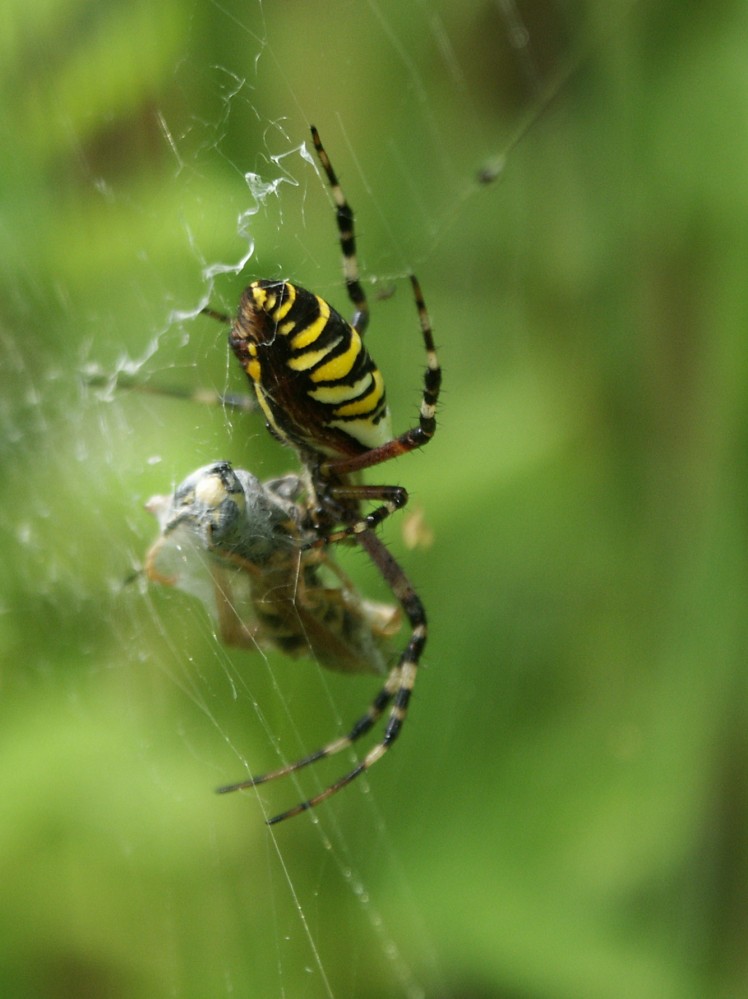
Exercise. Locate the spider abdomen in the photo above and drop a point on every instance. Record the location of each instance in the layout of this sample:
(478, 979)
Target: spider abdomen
(317, 385)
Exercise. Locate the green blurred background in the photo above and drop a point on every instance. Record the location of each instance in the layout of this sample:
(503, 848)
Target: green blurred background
(565, 815)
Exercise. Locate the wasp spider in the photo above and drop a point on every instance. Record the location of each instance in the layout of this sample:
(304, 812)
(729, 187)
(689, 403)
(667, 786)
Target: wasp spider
(323, 395)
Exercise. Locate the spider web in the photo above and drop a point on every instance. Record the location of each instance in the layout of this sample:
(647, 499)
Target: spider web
(569, 769)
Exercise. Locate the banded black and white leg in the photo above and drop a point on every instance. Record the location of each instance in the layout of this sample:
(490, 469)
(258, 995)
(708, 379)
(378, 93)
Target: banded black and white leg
(346, 230)
(393, 497)
(396, 693)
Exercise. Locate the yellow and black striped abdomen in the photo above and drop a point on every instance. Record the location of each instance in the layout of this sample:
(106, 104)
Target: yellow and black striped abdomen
(315, 381)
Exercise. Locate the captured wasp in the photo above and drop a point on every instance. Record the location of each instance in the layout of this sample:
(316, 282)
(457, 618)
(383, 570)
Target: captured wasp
(242, 547)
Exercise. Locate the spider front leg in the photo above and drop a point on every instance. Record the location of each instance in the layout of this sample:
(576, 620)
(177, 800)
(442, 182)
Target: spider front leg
(359, 728)
(397, 692)
(394, 498)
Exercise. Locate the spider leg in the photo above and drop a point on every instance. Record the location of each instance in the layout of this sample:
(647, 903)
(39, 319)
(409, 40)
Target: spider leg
(417, 436)
(394, 497)
(222, 317)
(397, 690)
(344, 218)
(205, 397)
(361, 727)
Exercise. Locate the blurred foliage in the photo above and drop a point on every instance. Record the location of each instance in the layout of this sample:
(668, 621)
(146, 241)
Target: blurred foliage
(565, 815)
